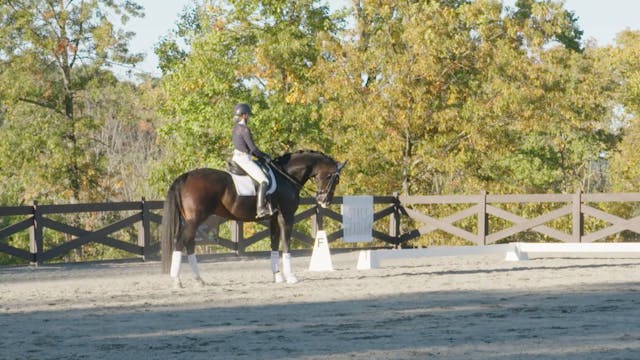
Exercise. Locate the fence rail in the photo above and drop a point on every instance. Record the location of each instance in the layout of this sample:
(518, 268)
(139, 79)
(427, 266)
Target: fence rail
(407, 218)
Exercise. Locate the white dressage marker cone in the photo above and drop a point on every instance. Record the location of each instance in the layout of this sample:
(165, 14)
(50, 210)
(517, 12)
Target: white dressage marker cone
(321, 257)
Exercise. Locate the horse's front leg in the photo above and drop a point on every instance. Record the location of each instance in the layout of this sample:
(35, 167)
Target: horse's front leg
(275, 249)
(285, 236)
(281, 232)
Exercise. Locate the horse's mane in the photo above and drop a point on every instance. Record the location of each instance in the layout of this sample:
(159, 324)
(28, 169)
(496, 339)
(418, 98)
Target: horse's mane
(284, 158)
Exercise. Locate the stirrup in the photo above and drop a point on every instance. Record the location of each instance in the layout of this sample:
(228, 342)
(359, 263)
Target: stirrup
(263, 212)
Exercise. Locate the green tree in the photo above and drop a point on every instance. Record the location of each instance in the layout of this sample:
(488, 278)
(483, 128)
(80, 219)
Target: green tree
(568, 34)
(49, 53)
(624, 59)
(455, 96)
(259, 52)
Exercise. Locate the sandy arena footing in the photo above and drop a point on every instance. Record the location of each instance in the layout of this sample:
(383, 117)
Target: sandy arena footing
(472, 307)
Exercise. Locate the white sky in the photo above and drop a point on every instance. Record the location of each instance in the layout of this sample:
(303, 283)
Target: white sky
(599, 19)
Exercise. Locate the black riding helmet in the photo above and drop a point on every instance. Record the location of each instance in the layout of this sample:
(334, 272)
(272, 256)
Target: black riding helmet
(241, 109)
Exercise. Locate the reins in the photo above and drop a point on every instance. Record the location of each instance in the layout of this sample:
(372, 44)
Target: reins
(334, 176)
(288, 177)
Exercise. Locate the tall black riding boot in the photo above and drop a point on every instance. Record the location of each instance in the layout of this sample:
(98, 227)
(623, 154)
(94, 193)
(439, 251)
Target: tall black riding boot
(262, 210)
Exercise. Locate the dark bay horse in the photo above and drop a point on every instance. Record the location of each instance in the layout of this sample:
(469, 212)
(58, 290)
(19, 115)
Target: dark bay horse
(197, 194)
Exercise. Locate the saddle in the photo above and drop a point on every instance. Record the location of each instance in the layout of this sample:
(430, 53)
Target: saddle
(245, 185)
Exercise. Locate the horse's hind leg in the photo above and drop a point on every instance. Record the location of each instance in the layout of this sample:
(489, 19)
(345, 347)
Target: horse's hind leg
(187, 240)
(190, 243)
(176, 258)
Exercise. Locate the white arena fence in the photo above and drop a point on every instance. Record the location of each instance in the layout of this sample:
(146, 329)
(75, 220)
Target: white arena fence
(373, 259)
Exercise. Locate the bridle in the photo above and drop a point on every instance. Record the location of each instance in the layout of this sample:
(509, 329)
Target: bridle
(323, 196)
(333, 178)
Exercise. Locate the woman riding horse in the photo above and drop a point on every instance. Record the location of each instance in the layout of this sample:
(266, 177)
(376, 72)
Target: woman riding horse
(244, 147)
(200, 193)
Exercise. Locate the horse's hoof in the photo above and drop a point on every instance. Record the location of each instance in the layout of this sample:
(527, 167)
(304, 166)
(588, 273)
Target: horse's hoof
(177, 284)
(278, 278)
(200, 282)
(290, 278)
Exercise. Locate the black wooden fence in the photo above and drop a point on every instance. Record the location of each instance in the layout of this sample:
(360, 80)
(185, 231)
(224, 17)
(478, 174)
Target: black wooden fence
(407, 218)
(39, 218)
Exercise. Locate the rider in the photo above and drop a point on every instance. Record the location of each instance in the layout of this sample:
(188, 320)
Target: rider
(244, 147)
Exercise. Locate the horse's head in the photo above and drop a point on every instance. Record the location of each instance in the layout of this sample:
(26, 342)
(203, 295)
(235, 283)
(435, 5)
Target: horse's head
(327, 178)
(304, 164)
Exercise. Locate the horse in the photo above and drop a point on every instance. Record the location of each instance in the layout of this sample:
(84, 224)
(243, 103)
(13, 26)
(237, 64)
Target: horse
(200, 193)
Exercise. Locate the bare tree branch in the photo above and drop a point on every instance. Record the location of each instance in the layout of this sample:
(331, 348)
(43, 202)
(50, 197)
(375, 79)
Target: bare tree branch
(42, 104)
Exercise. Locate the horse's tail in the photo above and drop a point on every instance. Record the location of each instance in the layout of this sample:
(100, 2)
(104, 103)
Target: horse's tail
(170, 222)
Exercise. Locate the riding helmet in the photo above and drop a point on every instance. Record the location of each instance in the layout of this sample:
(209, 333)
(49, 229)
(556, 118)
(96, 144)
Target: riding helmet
(242, 109)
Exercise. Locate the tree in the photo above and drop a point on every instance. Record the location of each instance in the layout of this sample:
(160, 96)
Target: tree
(454, 96)
(259, 52)
(624, 59)
(49, 52)
(568, 33)
(126, 139)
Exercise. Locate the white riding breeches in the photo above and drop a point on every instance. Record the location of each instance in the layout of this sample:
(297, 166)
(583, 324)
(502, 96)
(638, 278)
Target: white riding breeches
(252, 169)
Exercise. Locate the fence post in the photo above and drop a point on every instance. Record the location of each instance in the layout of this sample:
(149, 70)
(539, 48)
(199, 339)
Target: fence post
(35, 236)
(483, 219)
(144, 231)
(578, 217)
(237, 236)
(394, 220)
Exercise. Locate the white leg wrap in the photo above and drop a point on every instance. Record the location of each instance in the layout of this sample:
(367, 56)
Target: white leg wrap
(193, 263)
(289, 277)
(176, 260)
(275, 258)
(286, 263)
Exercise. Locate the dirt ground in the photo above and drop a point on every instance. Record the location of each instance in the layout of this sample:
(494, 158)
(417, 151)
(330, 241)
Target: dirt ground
(473, 307)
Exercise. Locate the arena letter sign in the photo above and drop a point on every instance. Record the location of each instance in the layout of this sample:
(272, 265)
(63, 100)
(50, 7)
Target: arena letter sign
(357, 218)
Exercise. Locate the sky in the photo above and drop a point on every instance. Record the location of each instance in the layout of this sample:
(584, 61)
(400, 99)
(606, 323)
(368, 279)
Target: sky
(600, 20)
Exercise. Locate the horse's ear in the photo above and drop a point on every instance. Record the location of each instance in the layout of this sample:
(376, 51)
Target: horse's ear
(341, 165)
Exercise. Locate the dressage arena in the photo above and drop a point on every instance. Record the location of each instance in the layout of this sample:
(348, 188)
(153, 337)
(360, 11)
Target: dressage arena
(472, 307)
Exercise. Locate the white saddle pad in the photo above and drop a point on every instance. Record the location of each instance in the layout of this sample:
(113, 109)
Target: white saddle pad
(246, 187)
